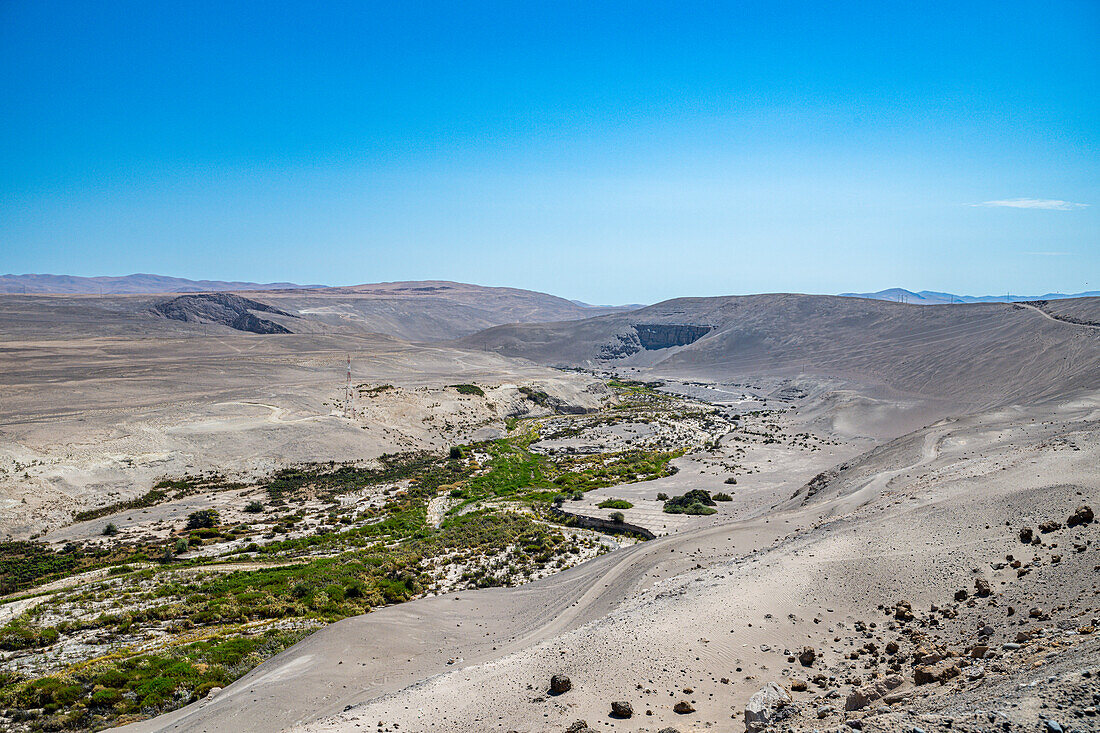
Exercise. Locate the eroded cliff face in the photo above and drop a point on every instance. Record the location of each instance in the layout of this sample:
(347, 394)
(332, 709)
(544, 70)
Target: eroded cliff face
(665, 335)
(225, 309)
(652, 336)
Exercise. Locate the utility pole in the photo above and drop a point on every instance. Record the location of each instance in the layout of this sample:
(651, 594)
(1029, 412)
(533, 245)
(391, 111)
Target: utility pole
(347, 392)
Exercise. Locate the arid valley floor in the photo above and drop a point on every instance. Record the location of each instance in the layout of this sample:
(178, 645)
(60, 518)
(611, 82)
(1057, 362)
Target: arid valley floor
(774, 512)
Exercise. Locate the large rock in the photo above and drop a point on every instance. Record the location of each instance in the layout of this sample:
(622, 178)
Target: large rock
(863, 696)
(765, 706)
(559, 683)
(940, 672)
(807, 657)
(1083, 515)
(622, 709)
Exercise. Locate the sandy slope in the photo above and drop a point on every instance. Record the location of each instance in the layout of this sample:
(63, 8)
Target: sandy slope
(90, 421)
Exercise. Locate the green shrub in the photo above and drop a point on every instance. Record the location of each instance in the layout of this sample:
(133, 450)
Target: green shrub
(662, 496)
(202, 519)
(696, 501)
(469, 389)
(731, 480)
(17, 636)
(615, 504)
(536, 395)
(722, 496)
(254, 507)
(455, 453)
(110, 530)
(617, 517)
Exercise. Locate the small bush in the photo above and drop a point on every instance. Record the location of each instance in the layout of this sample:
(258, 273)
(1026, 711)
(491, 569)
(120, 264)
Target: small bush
(721, 496)
(731, 480)
(455, 453)
(662, 496)
(254, 507)
(618, 517)
(202, 519)
(469, 389)
(615, 504)
(110, 530)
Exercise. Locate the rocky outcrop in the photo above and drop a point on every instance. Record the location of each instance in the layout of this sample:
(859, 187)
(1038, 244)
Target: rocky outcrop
(651, 337)
(224, 309)
(861, 697)
(654, 336)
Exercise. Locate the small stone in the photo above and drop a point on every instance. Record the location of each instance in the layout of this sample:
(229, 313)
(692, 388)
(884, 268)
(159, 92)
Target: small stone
(807, 657)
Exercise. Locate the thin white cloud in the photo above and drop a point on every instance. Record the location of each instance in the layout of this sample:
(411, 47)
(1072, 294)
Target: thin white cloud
(1048, 204)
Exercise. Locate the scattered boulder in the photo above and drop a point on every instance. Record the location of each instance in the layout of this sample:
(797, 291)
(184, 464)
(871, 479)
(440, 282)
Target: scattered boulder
(961, 595)
(766, 706)
(683, 707)
(903, 611)
(1025, 535)
(668, 730)
(579, 726)
(807, 657)
(1051, 526)
(622, 709)
(559, 684)
(981, 587)
(1083, 515)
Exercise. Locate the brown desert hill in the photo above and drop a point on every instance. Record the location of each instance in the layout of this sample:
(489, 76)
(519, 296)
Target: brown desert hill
(429, 310)
(974, 354)
(420, 311)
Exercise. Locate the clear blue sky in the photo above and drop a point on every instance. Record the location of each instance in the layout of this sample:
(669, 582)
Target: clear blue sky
(608, 152)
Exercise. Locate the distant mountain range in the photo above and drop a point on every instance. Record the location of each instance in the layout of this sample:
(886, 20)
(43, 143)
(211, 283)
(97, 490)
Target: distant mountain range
(129, 284)
(143, 283)
(931, 297)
